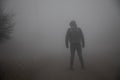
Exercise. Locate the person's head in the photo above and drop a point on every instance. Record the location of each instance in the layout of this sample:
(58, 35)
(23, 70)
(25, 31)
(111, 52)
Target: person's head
(73, 24)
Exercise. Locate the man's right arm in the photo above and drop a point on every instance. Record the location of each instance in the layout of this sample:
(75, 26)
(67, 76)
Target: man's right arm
(67, 39)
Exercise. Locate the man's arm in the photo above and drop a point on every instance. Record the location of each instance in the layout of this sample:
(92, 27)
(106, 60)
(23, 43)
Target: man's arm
(67, 39)
(82, 39)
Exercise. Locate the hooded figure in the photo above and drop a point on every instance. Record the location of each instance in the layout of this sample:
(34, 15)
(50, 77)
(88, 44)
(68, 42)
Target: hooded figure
(75, 38)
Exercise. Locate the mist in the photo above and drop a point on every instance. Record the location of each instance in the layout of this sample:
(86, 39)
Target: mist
(38, 39)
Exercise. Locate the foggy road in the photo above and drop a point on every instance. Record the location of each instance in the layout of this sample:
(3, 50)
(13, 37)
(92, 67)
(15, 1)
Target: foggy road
(55, 66)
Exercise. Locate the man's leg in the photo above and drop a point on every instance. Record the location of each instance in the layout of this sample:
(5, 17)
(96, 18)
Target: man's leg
(79, 51)
(72, 49)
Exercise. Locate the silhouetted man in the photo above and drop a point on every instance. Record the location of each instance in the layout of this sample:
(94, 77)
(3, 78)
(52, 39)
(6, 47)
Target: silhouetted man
(75, 37)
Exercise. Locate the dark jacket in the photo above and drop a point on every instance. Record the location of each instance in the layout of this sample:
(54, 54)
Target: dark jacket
(74, 36)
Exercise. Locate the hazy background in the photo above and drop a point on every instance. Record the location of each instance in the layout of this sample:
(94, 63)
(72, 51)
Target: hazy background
(39, 34)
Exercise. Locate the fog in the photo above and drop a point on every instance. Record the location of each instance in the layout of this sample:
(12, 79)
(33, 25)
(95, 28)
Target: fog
(38, 39)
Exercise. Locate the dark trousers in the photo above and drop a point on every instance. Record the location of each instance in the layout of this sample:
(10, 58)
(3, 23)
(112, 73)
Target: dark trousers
(76, 47)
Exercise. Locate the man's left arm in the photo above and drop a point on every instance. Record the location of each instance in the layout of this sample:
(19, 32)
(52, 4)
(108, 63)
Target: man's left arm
(82, 38)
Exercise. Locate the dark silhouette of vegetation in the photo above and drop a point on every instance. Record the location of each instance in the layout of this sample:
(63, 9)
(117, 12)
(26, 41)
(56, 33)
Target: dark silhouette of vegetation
(6, 28)
(6, 23)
